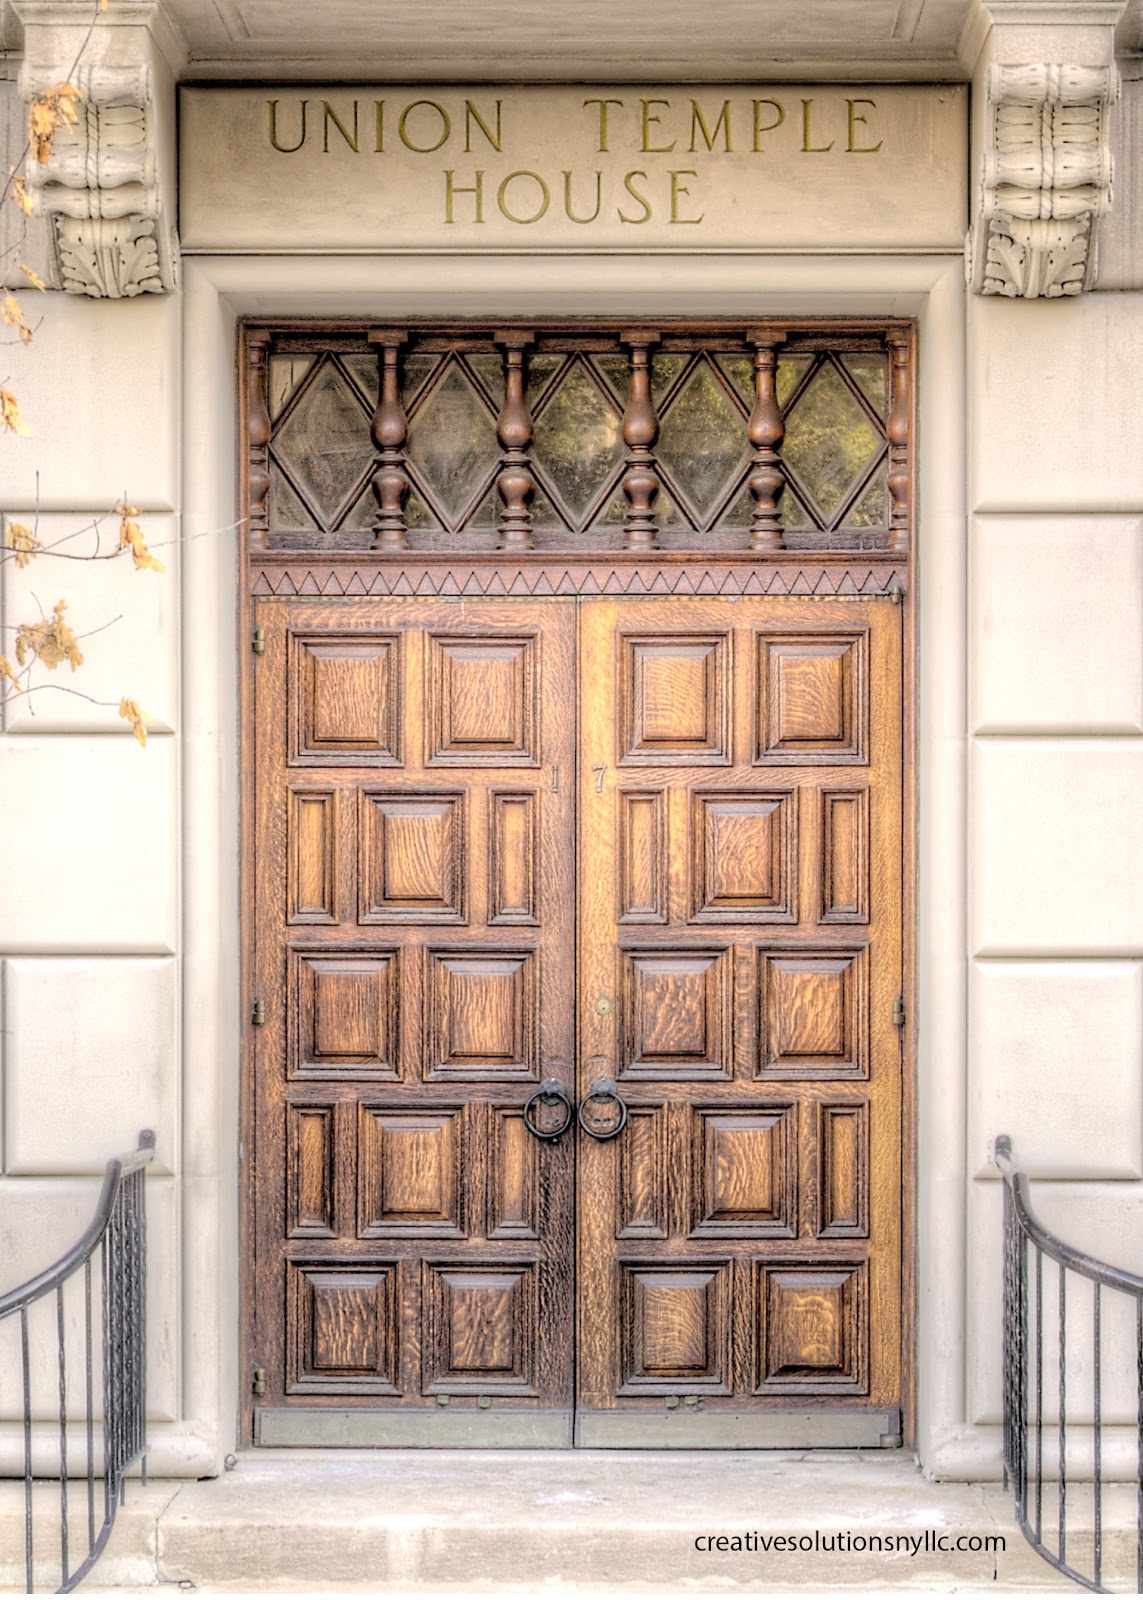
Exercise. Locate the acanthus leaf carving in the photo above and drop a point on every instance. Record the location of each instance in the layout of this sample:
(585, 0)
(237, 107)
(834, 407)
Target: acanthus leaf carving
(100, 190)
(1046, 180)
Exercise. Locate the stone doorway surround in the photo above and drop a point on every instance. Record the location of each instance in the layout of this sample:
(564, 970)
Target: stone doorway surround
(217, 292)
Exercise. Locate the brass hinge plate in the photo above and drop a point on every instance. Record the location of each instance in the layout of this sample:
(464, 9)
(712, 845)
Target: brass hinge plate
(258, 642)
(258, 1383)
(899, 1012)
(258, 1013)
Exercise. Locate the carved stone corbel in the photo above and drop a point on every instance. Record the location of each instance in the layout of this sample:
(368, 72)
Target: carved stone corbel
(1046, 180)
(100, 190)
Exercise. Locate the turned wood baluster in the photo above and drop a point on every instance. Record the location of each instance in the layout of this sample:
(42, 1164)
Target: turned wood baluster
(390, 429)
(897, 431)
(640, 430)
(766, 430)
(258, 436)
(515, 484)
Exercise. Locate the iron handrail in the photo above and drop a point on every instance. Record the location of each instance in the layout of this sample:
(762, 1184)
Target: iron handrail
(1025, 1368)
(118, 1232)
(54, 1276)
(1065, 1254)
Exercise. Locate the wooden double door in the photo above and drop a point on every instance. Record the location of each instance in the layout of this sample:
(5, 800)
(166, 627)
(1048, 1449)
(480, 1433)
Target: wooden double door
(575, 1101)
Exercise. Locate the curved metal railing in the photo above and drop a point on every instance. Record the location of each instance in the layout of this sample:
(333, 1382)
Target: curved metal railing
(1029, 1361)
(116, 1242)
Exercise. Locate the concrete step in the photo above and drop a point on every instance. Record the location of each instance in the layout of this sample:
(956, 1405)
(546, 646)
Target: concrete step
(594, 1521)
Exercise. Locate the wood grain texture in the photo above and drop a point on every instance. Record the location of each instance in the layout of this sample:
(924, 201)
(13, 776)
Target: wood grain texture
(413, 918)
(737, 815)
(751, 1028)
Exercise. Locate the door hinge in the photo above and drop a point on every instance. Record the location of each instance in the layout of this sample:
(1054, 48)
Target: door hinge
(899, 1012)
(258, 642)
(258, 1384)
(896, 594)
(258, 1014)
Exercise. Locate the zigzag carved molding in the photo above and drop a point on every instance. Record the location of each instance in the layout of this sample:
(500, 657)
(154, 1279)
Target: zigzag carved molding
(468, 581)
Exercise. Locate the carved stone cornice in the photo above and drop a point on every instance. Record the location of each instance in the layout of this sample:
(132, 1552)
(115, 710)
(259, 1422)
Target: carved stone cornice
(103, 191)
(1046, 179)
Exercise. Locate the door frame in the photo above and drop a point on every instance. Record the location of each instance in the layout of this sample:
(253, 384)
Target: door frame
(924, 280)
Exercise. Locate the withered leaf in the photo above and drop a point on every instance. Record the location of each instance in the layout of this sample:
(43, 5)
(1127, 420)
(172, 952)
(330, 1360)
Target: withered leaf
(20, 538)
(49, 641)
(49, 111)
(12, 315)
(19, 193)
(6, 671)
(34, 278)
(10, 418)
(131, 538)
(130, 711)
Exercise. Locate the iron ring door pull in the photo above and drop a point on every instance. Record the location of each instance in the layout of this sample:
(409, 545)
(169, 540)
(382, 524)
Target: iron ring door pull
(549, 1112)
(602, 1112)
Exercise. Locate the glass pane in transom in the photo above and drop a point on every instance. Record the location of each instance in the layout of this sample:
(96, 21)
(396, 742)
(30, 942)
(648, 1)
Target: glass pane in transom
(325, 442)
(488, 366)
(792, 513)
(452, 442)
(616, 372)
(415, 373)
(286, 511)
(870, 371)
(362, 513)
(740, 371)
(791, 371)
(487, 513)
(872, 510)
(286, 372)
(829, 439)
(578, 443)
(364, 372)
(541, 369)
(418, 516)
(664, 370)
(739, 512)
(702, 441)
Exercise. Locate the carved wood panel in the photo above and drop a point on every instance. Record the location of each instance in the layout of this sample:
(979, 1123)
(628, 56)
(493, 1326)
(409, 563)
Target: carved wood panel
(414, 918)
(740, 954)
(705, 869)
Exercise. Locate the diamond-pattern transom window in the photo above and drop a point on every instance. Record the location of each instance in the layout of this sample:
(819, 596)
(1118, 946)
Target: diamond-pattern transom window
(322, 465)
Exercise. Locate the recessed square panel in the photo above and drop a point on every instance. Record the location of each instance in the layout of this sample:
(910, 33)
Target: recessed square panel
(812, 1329)
(745, 1172)
(745, 857)
(481, 1009)
(345, 693)
(675, 699)
(480, 695)
(411, 857)
(845, 855)
(480, 1329)
(676, 1329)
(344, 1021)
(675, 1005)
(344, 1334)
(812, 698)
(409, 1167)
(814, 1009)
